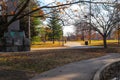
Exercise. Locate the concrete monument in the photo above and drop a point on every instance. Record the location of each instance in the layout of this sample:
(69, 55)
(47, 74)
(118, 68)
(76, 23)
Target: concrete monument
(15, 39)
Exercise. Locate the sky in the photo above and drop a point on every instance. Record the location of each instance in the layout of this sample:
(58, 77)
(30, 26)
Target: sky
(70, 28)
(66, 29)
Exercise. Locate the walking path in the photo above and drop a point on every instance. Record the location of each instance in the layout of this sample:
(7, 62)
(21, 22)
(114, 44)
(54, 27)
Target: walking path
(83, 70)
(77, 45)
(69, 45)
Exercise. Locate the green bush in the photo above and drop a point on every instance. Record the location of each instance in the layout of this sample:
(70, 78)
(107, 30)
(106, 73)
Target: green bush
(36, 39)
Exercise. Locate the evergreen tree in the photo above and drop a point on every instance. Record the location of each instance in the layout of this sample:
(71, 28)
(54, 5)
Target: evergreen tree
(55, 26)
(34, 21)
(33, 26)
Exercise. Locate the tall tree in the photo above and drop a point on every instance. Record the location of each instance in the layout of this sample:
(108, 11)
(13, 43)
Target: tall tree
(101, 19)
(98, 20)
(104, 23)
(82, 28)
(34, 22)
(20, 7)
(33, 26)
(45, 33)
(55, 26)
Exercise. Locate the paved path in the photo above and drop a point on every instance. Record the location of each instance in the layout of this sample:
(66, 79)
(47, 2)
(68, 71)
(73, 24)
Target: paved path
(69, 45)
(34, 49)
(73, 44)
(77, 45)
(83, 70)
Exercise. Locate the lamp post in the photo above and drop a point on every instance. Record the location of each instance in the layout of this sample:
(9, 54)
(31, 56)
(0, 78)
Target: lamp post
(118, 28)
(29, 33)
(62, 33)
(90, 23)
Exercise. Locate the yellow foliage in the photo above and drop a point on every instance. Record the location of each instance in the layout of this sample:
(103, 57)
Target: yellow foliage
(35, 8)
(61, 12)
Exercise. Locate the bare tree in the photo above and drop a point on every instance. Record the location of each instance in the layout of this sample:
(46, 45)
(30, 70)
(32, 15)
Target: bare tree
(82, 28)
(104, 20)
(103, 17)
(20, 7)
(103, 14)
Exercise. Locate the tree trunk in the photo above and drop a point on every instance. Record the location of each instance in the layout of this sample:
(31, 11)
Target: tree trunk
(53, 36)
(83, 36)
(105, 41)
(53, 39)
(3, 29)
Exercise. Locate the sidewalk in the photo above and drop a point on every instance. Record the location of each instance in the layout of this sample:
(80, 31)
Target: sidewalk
(83, 70)
(68, 45)
(77, 45)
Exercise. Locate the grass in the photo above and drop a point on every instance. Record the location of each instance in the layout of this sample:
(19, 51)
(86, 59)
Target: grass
(46, 44)
(110, 43)
(22, 66)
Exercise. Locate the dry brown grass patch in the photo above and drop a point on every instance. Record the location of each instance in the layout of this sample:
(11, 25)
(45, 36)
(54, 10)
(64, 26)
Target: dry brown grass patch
(31, 63)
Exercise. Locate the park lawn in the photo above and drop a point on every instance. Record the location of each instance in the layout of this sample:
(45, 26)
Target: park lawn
(22, 66)
(49, 44)
(81, 42)
(111, 43)
(46, 44)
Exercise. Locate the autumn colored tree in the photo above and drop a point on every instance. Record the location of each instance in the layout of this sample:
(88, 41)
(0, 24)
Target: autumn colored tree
(99, 22)
(82, 29)
(24, 22)
(20, 12)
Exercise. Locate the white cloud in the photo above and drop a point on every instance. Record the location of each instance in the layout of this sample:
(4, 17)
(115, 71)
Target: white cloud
(68, 29)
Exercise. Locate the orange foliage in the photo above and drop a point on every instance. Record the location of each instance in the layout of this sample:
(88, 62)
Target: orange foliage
(15, 4)
(41, 12)
(61, 12)
(34, 8)
(58, 3)
(12, 12)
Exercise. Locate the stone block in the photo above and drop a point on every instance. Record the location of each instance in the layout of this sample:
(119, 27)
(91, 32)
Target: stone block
(26, 42)
(8, 41)
(18, 41)
(12, 49)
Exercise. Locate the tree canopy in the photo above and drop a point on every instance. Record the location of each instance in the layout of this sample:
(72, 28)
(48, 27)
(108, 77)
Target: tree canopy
(100, 14)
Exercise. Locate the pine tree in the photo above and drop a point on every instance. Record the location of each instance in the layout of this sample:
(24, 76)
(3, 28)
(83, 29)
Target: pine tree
(55, 26)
